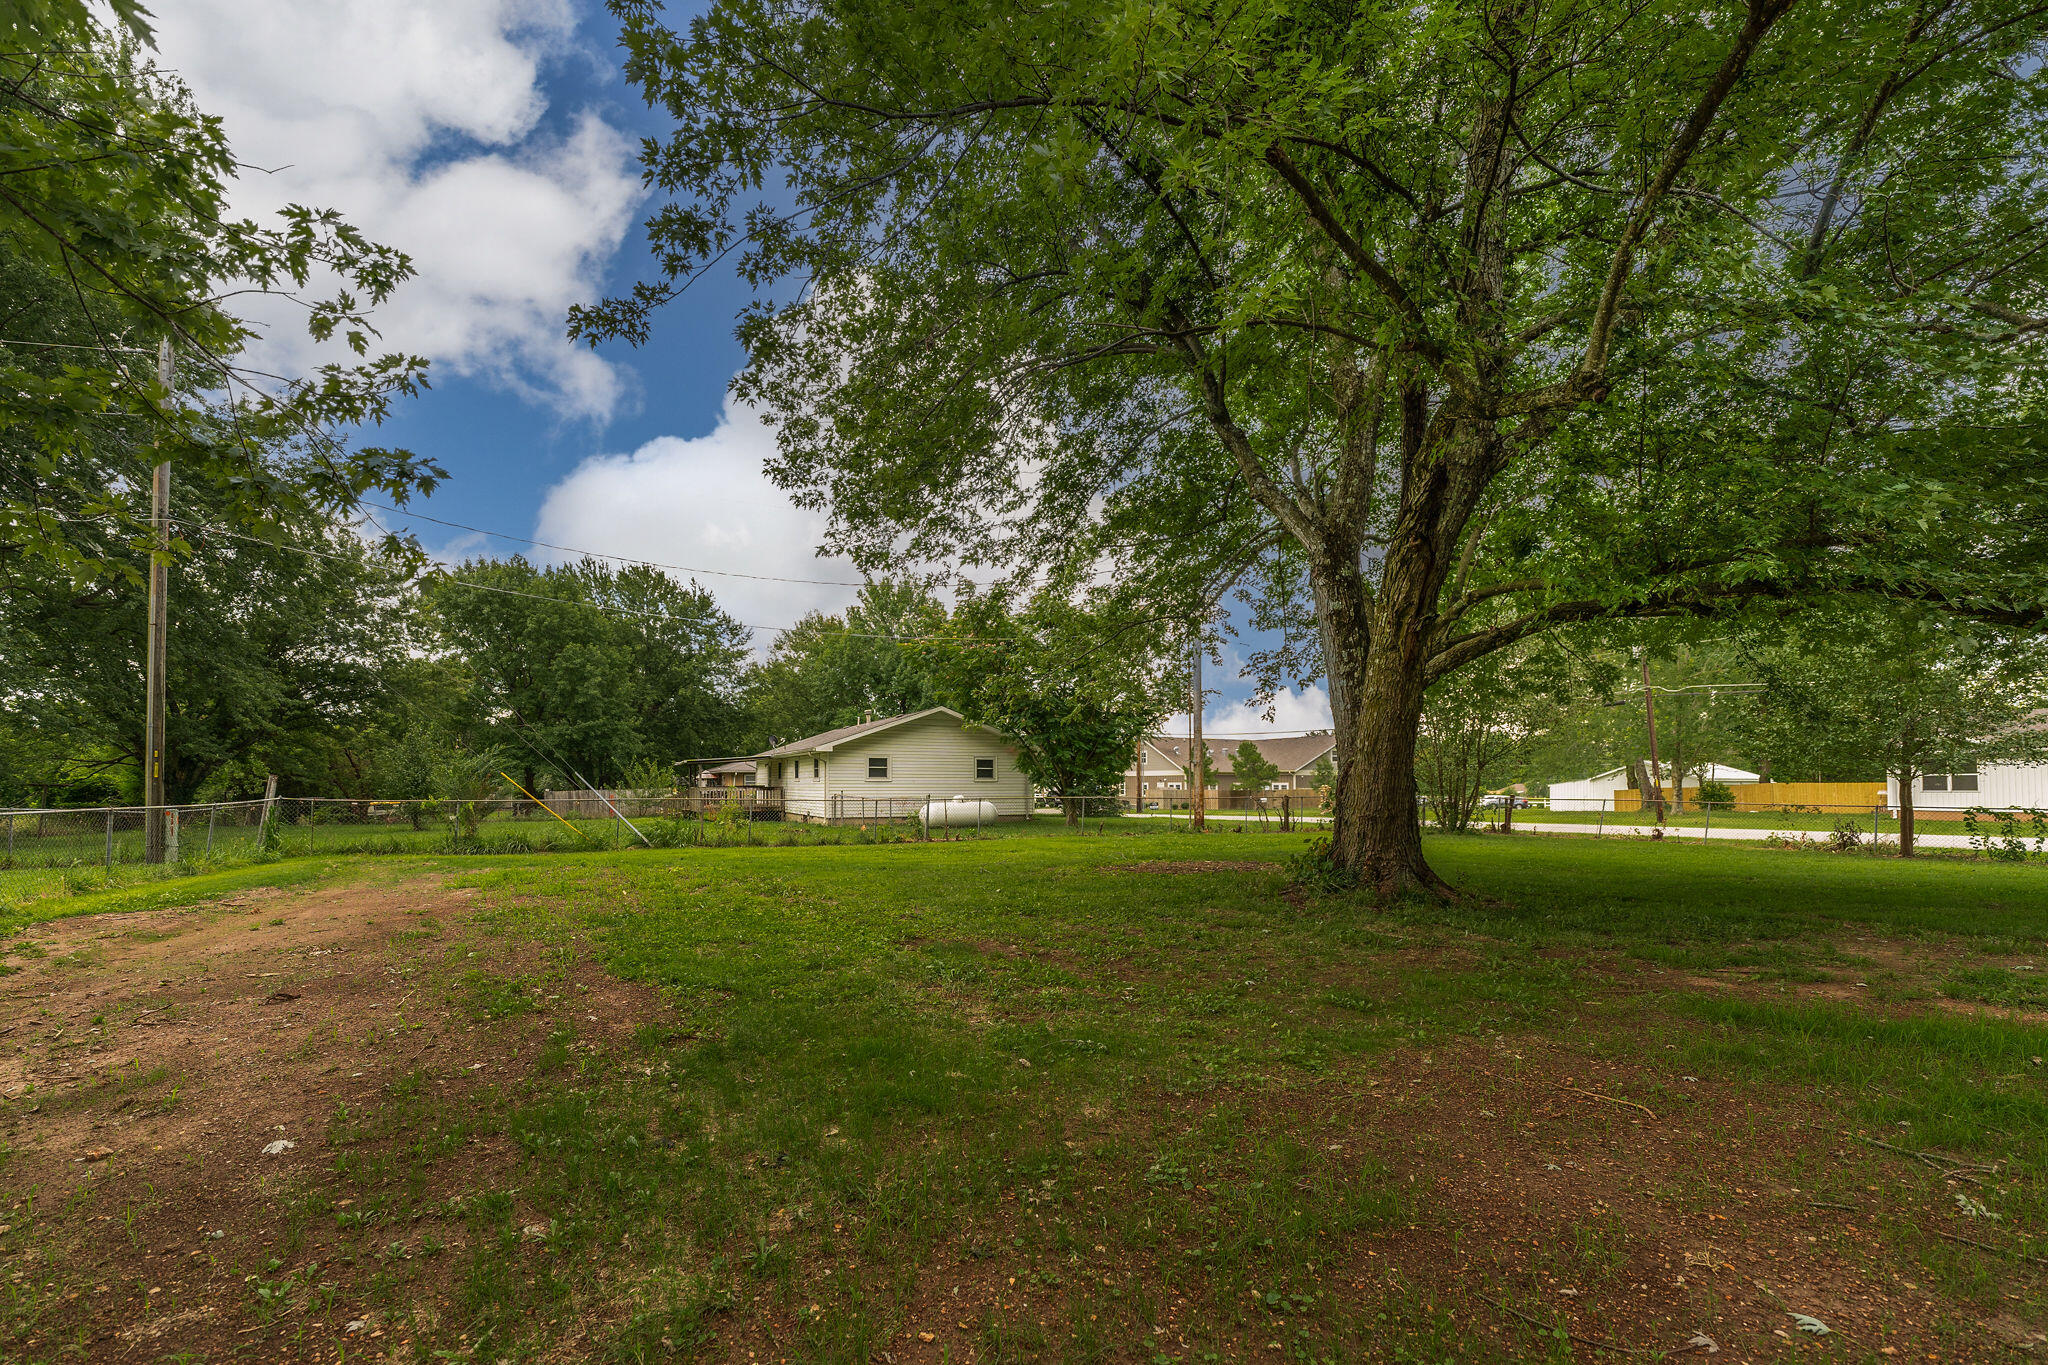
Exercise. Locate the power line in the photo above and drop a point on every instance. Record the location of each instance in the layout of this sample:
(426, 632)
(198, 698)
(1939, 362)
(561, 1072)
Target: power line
(569, 601)
(621, 559)
(77, 346)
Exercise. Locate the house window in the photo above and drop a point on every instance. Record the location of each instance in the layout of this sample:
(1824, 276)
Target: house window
(1960, 780)
(877, 768)
(984, 770)
(814, 766)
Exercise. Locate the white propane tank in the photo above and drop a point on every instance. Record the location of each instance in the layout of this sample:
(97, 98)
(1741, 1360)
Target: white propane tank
(959, 811)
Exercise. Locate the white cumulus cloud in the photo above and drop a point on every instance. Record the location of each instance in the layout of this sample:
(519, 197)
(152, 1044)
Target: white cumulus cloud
(1294, 713)
(704, 502)
(422, 124)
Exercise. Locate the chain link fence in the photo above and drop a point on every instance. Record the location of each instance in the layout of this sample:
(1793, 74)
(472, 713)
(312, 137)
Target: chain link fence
(565, 822)
(111, 835)
(570, 822)
(1871, 827)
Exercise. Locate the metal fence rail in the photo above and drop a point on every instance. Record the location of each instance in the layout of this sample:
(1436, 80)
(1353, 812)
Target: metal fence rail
(1873, 827)
(105, 836)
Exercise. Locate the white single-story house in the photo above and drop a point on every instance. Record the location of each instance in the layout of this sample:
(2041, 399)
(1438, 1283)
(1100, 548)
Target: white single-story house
(886, 769)
(1597, 792)
(2001, 786)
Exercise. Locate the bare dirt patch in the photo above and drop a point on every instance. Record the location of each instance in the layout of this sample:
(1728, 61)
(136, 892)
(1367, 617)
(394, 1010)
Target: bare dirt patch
(166, 1092)
(1541, 1193)
(1543, 1184)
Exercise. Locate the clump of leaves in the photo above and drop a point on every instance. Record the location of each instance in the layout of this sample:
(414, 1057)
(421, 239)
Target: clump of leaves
(1315, 870)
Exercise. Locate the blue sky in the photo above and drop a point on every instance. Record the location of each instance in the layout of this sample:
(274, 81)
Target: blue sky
(495, 141)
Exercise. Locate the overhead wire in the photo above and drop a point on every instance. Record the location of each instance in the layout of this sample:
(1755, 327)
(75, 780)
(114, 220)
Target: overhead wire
(612, 610)
(600, 554)
(77, 346)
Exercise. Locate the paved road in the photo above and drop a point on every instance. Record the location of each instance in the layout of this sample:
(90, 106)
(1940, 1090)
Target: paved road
(1523, 823)
(1735, 832)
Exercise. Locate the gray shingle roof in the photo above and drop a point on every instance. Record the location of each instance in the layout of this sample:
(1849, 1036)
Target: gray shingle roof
(1288, 753)
(831, 738)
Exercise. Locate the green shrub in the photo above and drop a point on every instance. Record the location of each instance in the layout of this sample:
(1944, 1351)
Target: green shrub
(1314, 870)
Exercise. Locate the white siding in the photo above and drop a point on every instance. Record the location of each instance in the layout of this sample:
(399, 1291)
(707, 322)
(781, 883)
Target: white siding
(931, 758)
(1592, 793)
(797, 783)
(1597, 792)
(1999, 785)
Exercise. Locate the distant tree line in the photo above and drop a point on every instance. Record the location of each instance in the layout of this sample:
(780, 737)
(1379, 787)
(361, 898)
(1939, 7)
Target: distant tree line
(339, 666)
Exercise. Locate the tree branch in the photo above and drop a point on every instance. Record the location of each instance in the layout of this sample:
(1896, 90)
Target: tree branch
(1763, 15)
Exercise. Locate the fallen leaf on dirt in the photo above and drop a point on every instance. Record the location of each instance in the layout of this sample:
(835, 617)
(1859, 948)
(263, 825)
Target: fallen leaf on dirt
(280, 997)
(1972, 1208)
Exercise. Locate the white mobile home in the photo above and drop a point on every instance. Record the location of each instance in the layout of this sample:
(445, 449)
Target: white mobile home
(883, 769)
(1597, 792)
(2001, 786)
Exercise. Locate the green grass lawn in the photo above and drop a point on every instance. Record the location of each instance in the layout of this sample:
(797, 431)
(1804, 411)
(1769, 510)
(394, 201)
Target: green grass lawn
(74, 869)
(1123, 1097)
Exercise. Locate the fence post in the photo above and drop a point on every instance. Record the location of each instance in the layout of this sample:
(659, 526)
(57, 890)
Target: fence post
(1876, 814)
(263, 823)
(1709, 807)
(10, 838)
(1600, 825)
(170, 815)
(110, 838)
(211, 816)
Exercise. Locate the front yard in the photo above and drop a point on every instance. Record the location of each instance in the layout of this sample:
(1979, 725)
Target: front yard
(1117, 1097)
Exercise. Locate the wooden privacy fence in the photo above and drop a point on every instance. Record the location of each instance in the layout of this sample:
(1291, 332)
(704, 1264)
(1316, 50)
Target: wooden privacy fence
(1773, 795)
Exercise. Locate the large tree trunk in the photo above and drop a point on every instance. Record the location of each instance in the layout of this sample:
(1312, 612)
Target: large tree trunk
(1376, 701)
(1378, 831)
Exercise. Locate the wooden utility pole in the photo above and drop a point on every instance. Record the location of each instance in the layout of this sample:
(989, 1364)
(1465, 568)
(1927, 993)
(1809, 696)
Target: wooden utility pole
(1656, 791)
(155, 842)
(1198, 750)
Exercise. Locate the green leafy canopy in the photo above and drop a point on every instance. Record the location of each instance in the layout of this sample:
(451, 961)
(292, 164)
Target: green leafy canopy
(1436, 328)
(115, 236)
